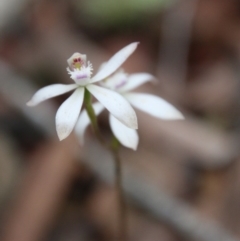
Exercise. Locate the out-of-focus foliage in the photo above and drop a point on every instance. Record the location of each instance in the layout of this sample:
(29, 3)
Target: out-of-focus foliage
(108, 13)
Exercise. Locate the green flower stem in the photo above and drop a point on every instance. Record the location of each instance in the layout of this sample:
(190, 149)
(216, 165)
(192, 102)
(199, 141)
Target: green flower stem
(92, 115)
(114, 149)
(119, 188)
(90, 110)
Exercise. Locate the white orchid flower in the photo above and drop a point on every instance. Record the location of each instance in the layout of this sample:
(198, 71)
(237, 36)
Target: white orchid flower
(151, 104)
(80, 71)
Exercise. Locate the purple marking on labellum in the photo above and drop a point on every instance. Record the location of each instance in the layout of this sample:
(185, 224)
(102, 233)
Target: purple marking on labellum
(81, 76)
(121, 84)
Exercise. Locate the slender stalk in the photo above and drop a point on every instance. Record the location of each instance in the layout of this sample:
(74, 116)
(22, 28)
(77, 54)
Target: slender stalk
(114, 149)
(92, 116)
(120, 192)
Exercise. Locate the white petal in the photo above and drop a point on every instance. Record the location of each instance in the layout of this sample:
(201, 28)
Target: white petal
(49, 92)
(84, 121)
(68, 113)
(117, 105)
(135, 80)
(115, 81)
(115, 62)
(154, 105)
(126, 136)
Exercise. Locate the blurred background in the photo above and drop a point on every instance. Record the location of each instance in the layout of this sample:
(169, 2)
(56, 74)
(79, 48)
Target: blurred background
(183, 182)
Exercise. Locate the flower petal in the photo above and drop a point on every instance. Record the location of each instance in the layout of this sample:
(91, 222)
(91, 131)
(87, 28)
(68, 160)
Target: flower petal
(117, 105)
(68, 113)
(84, 121)
(126, 136)
(154, 106)
(135, 80)
(115, 62)
(115, 81)
(49, 92)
